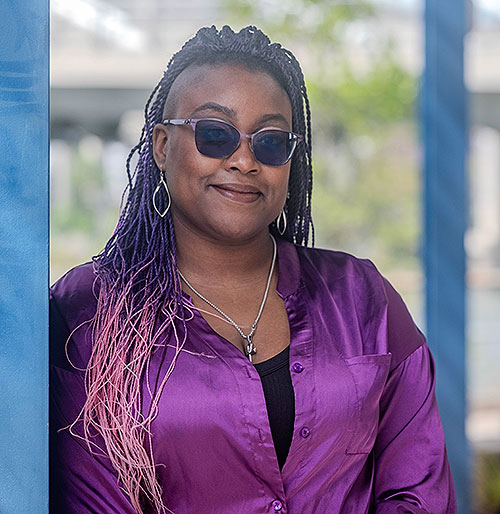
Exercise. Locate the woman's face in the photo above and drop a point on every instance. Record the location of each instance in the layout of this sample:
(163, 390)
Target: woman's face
(227, 199)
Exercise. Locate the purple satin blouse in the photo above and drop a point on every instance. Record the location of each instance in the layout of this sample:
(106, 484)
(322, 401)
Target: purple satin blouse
(367, 433)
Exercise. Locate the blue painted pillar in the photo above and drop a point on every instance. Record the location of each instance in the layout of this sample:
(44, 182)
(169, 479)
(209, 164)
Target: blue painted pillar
(24, 148)
(445, 207)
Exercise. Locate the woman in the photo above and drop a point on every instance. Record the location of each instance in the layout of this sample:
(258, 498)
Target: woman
(213, 363)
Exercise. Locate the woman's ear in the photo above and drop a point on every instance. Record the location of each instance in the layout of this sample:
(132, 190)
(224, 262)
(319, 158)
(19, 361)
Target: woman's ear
(160, 143)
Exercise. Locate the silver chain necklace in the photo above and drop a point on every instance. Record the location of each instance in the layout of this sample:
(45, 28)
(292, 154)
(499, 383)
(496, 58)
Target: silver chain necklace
(249, 347)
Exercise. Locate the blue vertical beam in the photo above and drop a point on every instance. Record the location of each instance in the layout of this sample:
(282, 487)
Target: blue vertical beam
(445, 148)
(24, 147)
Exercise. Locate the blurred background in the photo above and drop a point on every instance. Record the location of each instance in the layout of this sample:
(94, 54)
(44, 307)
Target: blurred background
(363, 62)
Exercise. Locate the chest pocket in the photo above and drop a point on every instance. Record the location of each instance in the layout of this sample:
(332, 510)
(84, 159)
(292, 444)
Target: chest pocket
(369, 373)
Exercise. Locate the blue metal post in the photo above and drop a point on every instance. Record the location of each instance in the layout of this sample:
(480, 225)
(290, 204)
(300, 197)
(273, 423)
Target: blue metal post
(24, 147)
(445, 138)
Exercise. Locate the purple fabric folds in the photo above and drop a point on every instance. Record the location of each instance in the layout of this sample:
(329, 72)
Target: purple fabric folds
(367, 433)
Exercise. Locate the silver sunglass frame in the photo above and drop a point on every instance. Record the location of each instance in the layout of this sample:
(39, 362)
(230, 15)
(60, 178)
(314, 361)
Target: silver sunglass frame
(297, 138)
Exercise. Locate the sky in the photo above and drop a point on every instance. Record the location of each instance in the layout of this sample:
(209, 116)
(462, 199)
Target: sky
(491, 6)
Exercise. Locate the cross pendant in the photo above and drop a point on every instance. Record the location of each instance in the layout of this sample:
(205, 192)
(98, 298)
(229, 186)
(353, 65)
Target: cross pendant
(250, 348)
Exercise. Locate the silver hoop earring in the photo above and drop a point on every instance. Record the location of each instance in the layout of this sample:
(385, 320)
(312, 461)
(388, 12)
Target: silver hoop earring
(281, 222)
(161, 184)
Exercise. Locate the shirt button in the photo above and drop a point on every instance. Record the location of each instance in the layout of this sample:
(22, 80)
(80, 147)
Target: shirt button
(305, 432)
(277, 505)
(297, 367)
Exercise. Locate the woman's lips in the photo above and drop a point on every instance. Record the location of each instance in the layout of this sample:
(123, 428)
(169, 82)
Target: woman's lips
(238, 193)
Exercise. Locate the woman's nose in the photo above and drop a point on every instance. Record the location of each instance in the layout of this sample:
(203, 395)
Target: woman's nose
(242, 159)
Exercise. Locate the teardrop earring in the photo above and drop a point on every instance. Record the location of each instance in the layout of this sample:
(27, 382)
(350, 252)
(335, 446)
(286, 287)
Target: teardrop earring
(281, 222)
(161, 184)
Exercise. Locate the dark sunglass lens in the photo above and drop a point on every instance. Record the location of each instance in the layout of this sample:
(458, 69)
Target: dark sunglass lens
(274, 147)
(216, 138)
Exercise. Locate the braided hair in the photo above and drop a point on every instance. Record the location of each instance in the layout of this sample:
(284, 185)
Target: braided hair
(139, 291)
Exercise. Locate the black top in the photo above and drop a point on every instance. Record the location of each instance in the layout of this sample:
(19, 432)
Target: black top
(280, 400)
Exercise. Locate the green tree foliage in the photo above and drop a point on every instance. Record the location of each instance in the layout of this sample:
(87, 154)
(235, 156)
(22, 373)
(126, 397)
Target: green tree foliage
(366, 190)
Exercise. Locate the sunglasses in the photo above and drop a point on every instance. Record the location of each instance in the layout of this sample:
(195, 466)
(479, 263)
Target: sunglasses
(218, 139)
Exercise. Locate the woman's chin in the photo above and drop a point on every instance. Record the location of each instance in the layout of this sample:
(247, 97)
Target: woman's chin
(223, 227)
(235, 233)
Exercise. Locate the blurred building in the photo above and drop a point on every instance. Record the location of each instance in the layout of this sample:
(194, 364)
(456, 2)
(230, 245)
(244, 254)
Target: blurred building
(108, 54)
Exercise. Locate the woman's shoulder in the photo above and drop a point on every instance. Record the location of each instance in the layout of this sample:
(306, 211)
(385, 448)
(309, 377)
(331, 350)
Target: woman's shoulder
(335, 265)
(356, 283)
(73, 303)
(76, 291)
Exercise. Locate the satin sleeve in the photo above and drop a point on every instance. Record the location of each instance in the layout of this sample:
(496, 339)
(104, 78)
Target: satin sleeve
(81, 482)
(412, 474)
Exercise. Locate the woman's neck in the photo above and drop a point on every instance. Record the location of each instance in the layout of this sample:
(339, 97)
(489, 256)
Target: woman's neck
(206, 260)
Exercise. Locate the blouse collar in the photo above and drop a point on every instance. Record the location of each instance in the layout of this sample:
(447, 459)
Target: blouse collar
(288, 268)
